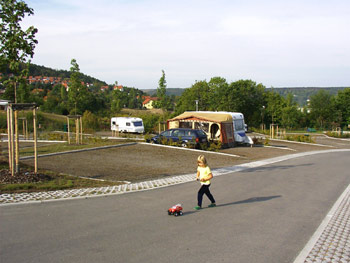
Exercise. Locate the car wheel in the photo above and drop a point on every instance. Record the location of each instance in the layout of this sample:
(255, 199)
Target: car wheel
(176, 214)
(183, 144)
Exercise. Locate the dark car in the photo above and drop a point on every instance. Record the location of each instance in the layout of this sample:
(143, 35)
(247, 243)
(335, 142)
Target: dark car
(185, 137)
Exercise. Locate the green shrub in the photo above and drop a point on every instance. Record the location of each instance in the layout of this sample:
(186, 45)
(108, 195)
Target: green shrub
(215, 146)
(267, 141)
(257, 141)
(300, 138)
(337, 135)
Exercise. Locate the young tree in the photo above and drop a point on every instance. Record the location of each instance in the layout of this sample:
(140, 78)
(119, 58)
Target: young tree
(274, 107)
(17, 45)
(321, 107)
(74, 86)
(290, 113)
(79, 97)
(163, 100)
(342, 104)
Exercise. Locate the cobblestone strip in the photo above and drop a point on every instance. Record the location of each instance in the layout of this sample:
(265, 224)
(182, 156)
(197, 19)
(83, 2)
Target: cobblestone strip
(331, 242)
(88, 192)
(334, 243)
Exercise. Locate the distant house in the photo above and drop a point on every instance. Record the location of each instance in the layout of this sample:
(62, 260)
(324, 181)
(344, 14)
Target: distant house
(148, 102)
(119, 87)
(104, 88)
(37, 91)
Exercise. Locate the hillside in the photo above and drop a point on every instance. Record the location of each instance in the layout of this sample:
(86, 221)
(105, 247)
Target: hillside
(36, 70)
(169, 91)
(301, 95)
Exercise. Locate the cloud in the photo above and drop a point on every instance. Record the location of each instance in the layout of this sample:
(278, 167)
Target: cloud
(273, 42)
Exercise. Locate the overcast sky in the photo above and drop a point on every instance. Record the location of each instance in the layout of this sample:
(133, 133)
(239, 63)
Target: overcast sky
(281, 43)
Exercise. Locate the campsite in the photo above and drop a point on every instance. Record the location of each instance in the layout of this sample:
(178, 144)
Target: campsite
(141, 161)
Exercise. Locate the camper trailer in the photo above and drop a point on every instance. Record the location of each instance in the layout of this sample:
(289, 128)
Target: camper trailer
(227, 127)
(127, 124)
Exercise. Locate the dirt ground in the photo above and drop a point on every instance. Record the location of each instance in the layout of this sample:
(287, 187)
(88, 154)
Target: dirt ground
(139, 162)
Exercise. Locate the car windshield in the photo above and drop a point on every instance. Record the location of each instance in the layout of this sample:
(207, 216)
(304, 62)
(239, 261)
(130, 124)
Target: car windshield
(165, 133)
(201, 133)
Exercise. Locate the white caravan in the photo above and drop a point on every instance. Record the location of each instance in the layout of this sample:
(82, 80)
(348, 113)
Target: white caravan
(127, 124)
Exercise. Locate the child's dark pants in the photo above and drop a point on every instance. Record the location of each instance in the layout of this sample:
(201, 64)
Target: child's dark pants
(204, 190)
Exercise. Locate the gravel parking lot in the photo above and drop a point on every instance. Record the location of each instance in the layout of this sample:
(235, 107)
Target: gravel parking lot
(139, 162)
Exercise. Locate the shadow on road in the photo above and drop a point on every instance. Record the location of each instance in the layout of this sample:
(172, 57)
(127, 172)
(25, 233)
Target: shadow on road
(268, 168)
(251, 200)
(246, 201)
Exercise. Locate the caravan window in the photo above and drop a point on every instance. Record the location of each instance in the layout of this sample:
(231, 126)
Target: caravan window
(201, 126)
(128, 124)
(239, 125)
(137, 123)
(185, 125)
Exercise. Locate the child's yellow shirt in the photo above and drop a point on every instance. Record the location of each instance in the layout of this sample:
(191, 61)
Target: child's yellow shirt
(203, 174)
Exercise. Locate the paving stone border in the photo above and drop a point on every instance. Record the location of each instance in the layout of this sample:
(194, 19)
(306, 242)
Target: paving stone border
(331, 241)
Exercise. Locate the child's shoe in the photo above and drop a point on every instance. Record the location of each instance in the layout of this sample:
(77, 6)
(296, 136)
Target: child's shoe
(212, 205)
(197, 207)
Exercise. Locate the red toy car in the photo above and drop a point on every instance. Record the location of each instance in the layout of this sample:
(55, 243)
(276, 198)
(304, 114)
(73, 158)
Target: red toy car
(175, 210)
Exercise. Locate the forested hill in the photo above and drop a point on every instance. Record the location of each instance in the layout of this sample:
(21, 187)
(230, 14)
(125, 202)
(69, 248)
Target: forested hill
(36, 70)
(169, 91)
(301, 95)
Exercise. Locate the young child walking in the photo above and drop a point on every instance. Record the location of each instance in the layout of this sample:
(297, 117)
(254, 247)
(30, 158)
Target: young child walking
(204, 175)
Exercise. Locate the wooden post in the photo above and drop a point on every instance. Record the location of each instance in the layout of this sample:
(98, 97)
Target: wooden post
(81, 130)
(9, 123)
(17, 141)
(23, 128)
(27, 134)
(12, 144)
(68, 130)
(76, 131)
(35, 142)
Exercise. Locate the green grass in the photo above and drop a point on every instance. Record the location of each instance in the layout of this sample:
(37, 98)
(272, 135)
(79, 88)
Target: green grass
(54, 182)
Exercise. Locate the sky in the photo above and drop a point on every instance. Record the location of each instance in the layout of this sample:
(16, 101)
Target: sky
(278, 43)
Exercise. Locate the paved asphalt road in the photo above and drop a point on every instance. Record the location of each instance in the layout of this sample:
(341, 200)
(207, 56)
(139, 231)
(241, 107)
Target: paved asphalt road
(266, 214)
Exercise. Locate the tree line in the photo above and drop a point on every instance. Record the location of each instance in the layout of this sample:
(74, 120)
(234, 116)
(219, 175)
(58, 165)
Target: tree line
(266, 106)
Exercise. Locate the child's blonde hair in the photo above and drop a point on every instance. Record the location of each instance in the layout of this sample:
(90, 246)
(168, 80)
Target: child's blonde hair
(202, 159)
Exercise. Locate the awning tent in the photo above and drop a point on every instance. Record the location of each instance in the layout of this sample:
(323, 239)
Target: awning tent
(217, 125)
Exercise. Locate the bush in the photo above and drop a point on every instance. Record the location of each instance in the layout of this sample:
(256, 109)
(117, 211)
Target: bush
(257, 141)
(337, 135)
(267, 141)
(300, 138)
(214, 146)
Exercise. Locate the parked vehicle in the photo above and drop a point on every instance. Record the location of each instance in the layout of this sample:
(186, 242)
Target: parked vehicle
(227, 127)
(127, 124)
(186, 137)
